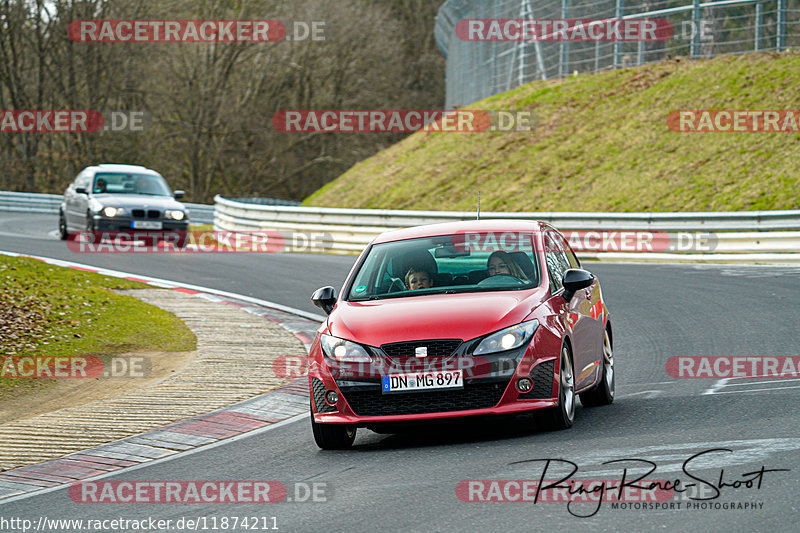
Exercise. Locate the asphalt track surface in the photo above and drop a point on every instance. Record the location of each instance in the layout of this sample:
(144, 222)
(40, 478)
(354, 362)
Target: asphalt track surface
(407, 482)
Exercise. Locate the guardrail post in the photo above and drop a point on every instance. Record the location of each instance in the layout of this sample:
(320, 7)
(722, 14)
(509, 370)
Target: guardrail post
(759, 17)
(617, 44)
(695, 47)
(781, 38)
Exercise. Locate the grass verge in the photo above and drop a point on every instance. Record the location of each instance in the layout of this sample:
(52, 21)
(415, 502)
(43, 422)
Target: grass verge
(48, 311)
(600, 143)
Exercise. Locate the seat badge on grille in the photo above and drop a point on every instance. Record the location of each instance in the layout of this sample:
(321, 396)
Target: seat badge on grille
(421, 351)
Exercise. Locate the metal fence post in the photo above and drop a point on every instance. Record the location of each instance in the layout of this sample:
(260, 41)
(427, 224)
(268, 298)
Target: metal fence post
(564, 48)
(527, 14)
(695, 48)
(596, 56)
(759, 16)
(617, 44)
(781, 39)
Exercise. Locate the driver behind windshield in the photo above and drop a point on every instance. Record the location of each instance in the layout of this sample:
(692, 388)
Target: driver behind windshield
(502, 263)
(418, 279)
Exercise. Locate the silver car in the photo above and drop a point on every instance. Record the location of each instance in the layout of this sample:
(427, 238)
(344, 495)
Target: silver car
(121, 198)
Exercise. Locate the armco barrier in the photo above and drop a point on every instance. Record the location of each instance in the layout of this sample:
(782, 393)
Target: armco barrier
(740, 236)
(26, 202)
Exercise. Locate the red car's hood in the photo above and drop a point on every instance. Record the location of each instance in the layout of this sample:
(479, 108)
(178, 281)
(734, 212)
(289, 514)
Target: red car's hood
(439, 316)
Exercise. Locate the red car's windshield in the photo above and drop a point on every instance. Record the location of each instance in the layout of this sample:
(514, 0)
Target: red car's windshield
(465, 262)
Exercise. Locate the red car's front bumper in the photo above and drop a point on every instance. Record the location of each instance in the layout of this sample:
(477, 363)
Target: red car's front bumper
(508, 409)
(486, 390)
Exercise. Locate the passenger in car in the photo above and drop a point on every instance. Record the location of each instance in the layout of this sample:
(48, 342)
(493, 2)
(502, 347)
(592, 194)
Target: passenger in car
(502, 263)
(418, 279)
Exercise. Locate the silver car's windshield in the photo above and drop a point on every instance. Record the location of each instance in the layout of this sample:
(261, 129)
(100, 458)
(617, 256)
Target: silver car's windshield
(467, 262)
(121, 183)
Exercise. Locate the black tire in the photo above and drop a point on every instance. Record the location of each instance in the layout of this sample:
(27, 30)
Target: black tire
(603, 392)
(562, 415)
(333, 436)
(62, 226)
(89, 222)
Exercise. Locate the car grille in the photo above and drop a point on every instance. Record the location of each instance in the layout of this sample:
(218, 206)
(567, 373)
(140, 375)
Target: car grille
(542, 377)
(436, 348)
(472, 396)
(151, 213)
(318, 388)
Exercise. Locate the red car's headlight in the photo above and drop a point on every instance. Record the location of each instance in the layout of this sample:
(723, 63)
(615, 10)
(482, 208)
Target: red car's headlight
(507, 339)
(343, 351)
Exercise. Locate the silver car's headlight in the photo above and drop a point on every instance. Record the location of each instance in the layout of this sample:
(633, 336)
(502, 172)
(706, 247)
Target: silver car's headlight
(112, 212)
(343, 351)
(174, 214)
(507, 339)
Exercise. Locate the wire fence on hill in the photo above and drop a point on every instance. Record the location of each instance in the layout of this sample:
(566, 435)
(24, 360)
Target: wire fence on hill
(477, 69)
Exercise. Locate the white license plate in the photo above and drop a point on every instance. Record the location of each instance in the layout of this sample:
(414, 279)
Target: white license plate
(446, 379)
(146, 224)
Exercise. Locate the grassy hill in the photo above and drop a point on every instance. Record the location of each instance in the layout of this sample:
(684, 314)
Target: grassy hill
(601, 143)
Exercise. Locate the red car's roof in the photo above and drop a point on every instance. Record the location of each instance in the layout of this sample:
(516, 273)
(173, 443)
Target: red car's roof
(449, 228)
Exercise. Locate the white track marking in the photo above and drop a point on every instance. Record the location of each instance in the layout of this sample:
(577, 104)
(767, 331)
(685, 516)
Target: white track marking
(757, 390)
(648, 394)
(716, 386)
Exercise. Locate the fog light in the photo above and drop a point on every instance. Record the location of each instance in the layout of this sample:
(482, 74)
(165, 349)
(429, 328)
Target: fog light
(524, 384)
(331, 397)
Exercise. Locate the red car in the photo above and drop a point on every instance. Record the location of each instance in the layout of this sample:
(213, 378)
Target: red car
(489, 317)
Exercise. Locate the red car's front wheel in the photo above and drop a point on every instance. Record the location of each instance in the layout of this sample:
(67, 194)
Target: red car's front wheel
(603, 393)
(333, 436)
(562, 415)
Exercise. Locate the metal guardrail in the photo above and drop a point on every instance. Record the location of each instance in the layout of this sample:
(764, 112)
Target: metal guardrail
(200, 213)
(26, 202)
(266, 201)
(22, 202)
(746, 235)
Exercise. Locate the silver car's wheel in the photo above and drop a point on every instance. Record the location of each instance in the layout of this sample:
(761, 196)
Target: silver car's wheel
(62, 226)
(603, 393)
